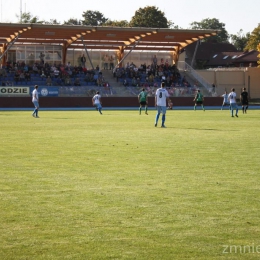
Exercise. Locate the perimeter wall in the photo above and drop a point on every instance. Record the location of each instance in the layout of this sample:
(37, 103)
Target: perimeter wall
(225, 79)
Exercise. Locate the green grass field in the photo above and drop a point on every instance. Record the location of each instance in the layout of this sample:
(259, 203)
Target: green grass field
(78, 185)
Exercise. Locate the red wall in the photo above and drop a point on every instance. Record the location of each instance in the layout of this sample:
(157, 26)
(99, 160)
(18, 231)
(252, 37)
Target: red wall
(25, 102)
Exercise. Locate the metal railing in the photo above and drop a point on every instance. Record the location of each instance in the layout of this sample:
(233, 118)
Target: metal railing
(183, 66)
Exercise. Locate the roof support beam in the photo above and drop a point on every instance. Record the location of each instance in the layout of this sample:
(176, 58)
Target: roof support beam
(127, 54)
(9, 46)
(86, 50)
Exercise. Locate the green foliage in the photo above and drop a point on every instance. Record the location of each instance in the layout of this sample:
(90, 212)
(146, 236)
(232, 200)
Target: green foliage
(214, 24)
(254, 39)
(240, 40)
(122, 23)
(94, 18)
(28, 18)
(73, 21)
(150, 16)
(78, 185)
(258, 48)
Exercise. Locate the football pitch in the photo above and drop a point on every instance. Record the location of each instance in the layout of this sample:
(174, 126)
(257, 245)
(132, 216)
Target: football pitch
(79, 185)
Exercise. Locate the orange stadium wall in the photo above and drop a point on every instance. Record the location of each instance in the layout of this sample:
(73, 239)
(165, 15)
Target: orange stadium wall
(238, 79)
(85, 102)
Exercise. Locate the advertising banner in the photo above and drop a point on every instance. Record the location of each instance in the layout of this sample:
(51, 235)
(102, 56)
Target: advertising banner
(14, 91)
(46, 91)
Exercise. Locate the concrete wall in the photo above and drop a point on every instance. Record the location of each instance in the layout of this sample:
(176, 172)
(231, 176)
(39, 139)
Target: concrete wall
(238, 79)
(84, 102)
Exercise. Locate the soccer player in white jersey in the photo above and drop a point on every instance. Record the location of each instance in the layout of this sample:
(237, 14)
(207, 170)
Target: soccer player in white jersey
(225, 100)
(161, 96)
(233, 103)
(96, 101)
(35, 100)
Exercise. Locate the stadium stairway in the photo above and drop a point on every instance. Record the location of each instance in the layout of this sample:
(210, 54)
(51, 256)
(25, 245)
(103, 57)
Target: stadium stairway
(118, 88)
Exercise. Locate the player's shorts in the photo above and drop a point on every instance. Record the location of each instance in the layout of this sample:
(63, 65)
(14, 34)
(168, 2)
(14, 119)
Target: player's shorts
(36, 104)
(161, 109)
(143, 103)
(98, 106)
(226, 103)
(244, 103)
(233, 105)
(199, 102)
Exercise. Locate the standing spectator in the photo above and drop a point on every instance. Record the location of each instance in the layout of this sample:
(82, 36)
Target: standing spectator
(244, 100)
(41, 56)
(96, 101)
(213, 88)
(154, 61)
(111, 62)
(233, 103)
(161, 95)
(35, 100)
(106, 60)
(83, 61)
(225, 100)
(199, 99)
(143, 101)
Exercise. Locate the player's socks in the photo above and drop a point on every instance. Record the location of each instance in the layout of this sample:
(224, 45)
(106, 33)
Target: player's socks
(203, 108)
(140, 110)
(194, 108)
(146, 111)
(157, 118)
(163, 120)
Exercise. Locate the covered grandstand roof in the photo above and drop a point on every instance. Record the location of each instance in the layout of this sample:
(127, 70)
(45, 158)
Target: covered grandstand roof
(99, 37)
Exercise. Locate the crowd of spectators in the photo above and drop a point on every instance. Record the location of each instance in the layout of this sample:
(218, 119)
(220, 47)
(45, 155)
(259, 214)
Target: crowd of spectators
(151, 76)
(52, 75)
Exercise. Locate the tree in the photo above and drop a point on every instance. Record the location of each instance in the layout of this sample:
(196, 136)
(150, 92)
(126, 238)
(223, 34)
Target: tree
(258, 48)
(150, 16)
(72, 21)
(28, 18)
(240, 40)
(52, 21)
(254, 39)
(94, 18)
(214, 24)
(122, 23)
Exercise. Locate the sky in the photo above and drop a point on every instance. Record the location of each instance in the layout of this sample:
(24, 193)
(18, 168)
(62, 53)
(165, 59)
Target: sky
(235, 14)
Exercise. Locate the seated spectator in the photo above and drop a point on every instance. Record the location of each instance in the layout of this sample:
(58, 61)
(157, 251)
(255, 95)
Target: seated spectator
(35, 69)
(56, 73)
(87, 78)
(134, 83)
(16, 77)
(48, 81)
(43, 76)
(77, 82)
(27, 76)
(138, 82)
(22, 77)
(67, 81)
(125, 83)
(58, 81)
(100, 81)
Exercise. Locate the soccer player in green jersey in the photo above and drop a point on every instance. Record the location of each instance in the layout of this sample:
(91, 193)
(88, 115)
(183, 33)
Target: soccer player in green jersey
(143, 101)
(199, 100)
